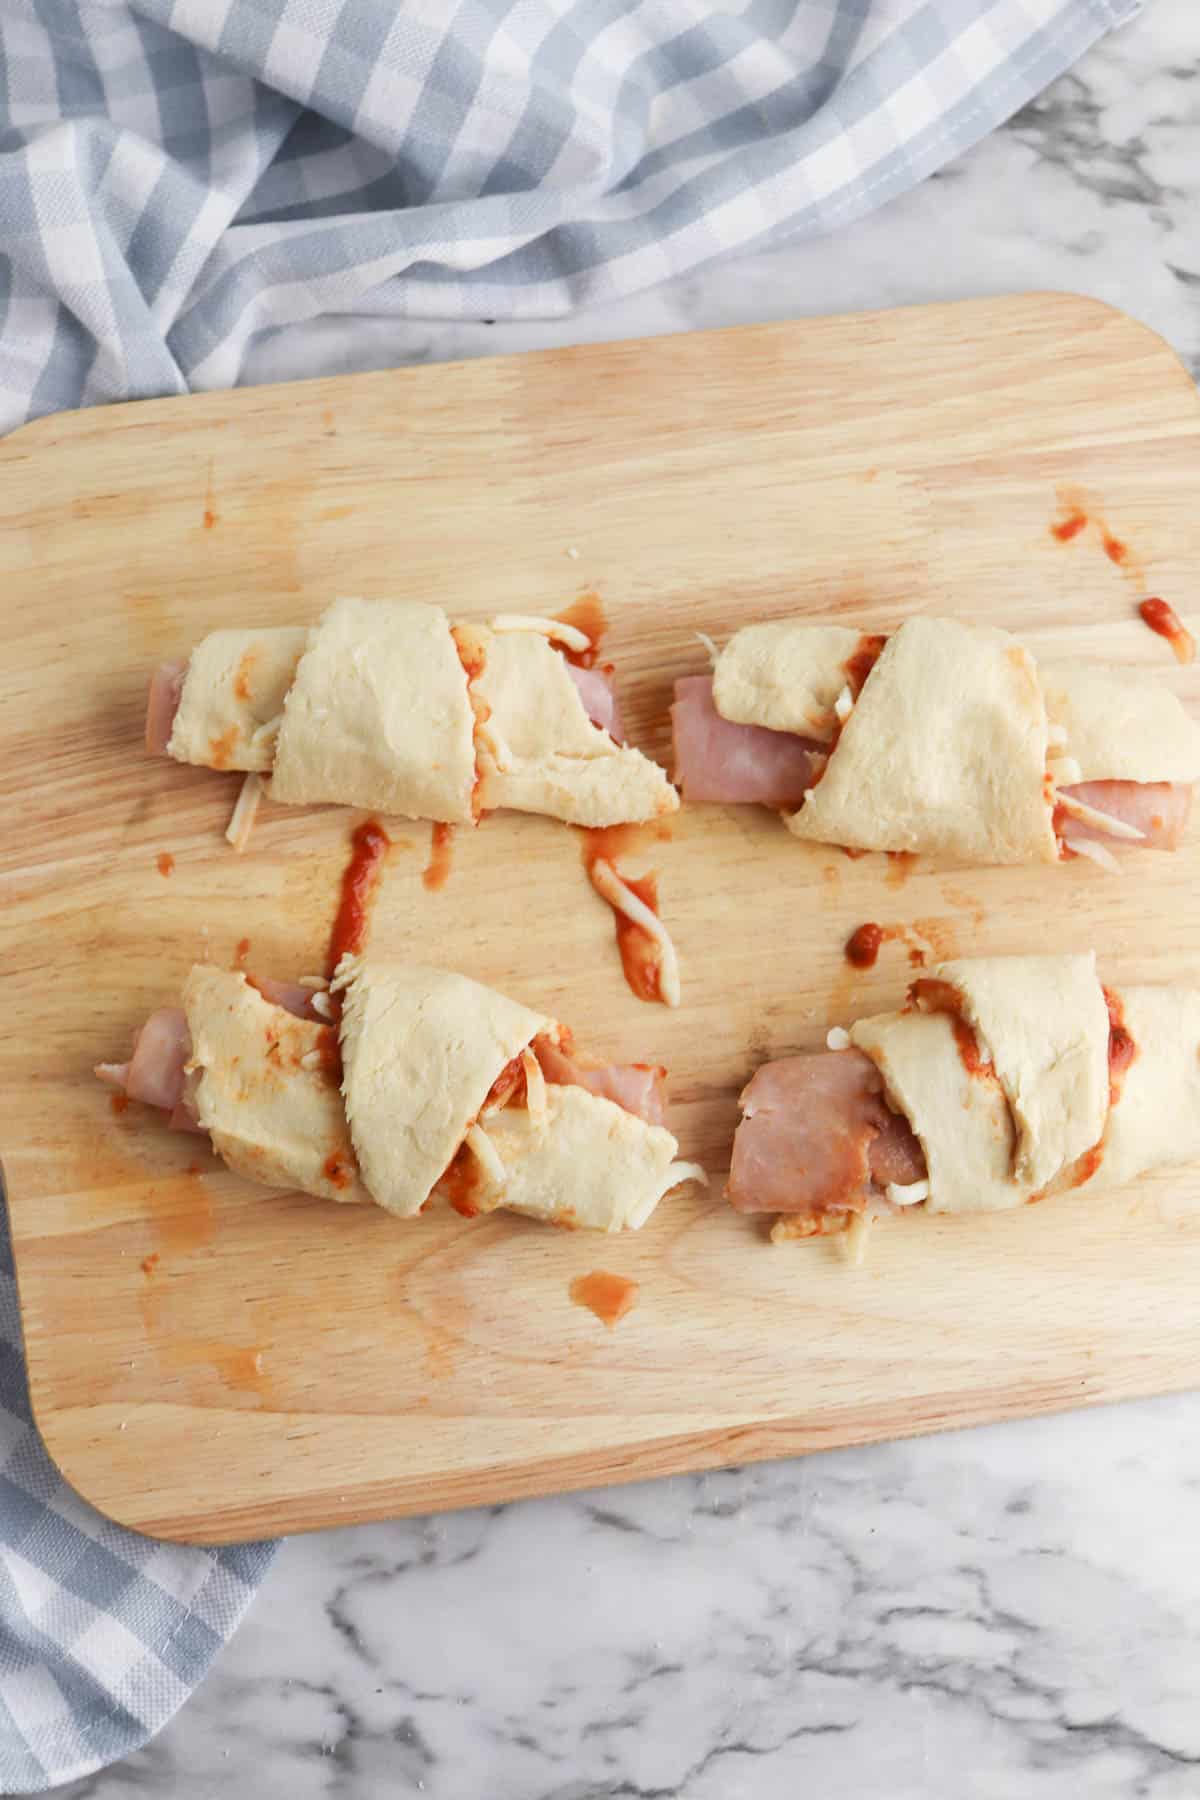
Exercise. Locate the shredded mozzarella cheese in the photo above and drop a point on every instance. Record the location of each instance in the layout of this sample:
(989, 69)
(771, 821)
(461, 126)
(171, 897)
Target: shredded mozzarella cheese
(1064, 770)
(910, 1194)
(318, 983)
(241, 821)
(487, 1155)
(1096, 853)
(857, 1233)
(1100, 821)
(837, 1038)
(610, 887)
(709, 645)
(322, 1005)
(263, 736)
(554, 629)
(535, 1091)
(843, 706)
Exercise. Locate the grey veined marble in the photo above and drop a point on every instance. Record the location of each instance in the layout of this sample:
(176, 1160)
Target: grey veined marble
(1012, 1612)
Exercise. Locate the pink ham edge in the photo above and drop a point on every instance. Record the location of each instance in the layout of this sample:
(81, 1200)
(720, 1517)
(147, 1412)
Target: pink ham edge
(1158, 809)
(599, 697)
(717, 761)
(166, 689)
(637, 1088)
(817, 1136)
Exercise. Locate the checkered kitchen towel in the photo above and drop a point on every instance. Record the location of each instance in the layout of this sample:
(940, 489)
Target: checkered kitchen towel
(177, 175)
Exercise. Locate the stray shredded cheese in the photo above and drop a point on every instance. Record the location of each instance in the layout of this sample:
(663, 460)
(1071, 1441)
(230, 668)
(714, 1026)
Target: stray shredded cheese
(263, 736)
(843, 706)
(573, 553)
(554, 629)
(1096, 853)
(837, 1038)
(910, 1194)
(1065, 771)
(344, 974)
(713, 652)
(610, 887)
(318, 983)
(487, 1155)
(241, 821)
(1101, 821)
(857, 1233)
(535, 1091)
(322, 1005)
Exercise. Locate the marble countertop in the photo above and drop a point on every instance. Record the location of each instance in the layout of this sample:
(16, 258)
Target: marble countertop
(1004, 1612)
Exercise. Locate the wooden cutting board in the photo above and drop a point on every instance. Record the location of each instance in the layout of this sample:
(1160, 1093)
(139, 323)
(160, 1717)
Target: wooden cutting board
(212, 1361)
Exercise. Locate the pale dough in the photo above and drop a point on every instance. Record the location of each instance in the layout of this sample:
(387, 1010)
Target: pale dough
(784, 674)
(539, 751)
(962, 1120)
(378, 715)
(421, 1048)
(945, 752)
(1156, 1121)
(1121, 727)
(1043, 1021)
(591, 1164)
(232, 697)
(269, 1117)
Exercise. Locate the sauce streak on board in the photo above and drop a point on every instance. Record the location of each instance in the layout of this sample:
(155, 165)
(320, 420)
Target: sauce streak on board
(587, 615)
(441, 845)
(166, 863)
(641, 958)
(1065, 529)
(1114, 549)
(360, 881)
(610, 1297)
(1165, 621)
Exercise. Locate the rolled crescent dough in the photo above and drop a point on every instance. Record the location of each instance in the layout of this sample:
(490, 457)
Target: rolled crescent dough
(1044, 1023)
(590, 1163)
(1156, 1121)
(539, 751)
(233, 696)
(1120, 727)
(269, 1116)
(420, 1049)
(944, 752)
(785, 675)
(379, 715)
(962, 1120)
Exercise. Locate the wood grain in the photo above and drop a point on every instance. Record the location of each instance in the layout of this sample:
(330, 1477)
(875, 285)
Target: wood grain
(212, 1361)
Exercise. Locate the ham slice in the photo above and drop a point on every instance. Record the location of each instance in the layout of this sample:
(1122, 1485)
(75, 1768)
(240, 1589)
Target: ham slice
(818, 1137)
(599, 698)
(637, 1088)
(718, 761)
(1158, 809)
(166, 687)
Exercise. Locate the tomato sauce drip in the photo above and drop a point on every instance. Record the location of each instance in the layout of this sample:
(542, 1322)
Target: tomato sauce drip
(939, 996)
(1121, 1047)
(638, 950)
(166, 863)
(859, 666)
(242, 952)
(1165, 621)
(1065, 529)
(441, 847)
(864, 944)
(338, 1169)
(360, 882)
(1114, 549)
(461, 1182)
(610, 1297)
(587, 615)
(508, 1089)
(330, 1052)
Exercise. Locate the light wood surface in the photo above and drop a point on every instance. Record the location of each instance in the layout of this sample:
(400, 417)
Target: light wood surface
(213, 1361)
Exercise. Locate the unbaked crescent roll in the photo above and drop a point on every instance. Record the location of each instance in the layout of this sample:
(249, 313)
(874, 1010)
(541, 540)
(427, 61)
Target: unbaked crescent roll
(388, 705)
(432, 1085)
(943, 738)
(1003, 1079)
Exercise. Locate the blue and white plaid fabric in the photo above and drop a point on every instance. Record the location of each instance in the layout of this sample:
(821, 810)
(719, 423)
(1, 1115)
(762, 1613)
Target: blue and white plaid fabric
(178, 175)
(103, 1634)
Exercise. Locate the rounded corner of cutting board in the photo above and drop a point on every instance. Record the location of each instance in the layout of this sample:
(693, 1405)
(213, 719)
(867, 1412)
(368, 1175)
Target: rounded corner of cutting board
(1086, 310)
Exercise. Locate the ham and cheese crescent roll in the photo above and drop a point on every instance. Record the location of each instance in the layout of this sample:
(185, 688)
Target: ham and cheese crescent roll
(944, 738)
(1003, 1079)
(430, 1084)
(388, 705)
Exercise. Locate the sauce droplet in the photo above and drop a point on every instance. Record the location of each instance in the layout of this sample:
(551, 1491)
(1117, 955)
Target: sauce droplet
(610, 1297)
(441, 846)
(862, 946)
(166, 863)
(1165, 621)
(1065, 529)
